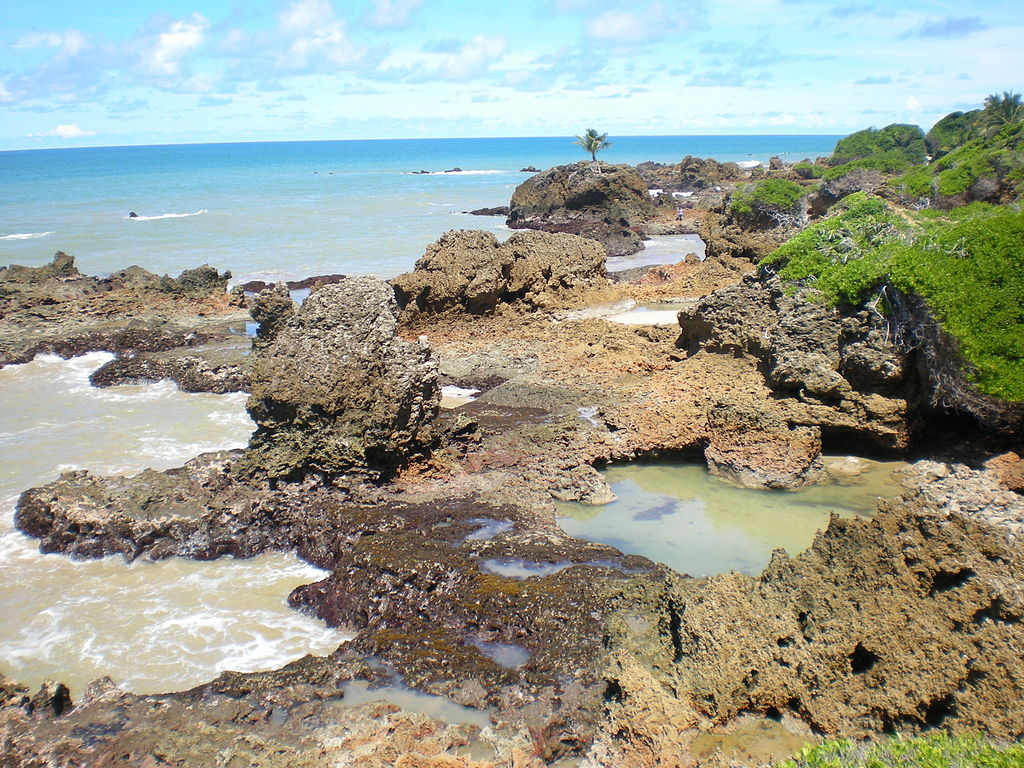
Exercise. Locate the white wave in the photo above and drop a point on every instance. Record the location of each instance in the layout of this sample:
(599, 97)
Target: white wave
(166, 216)
(25, 236)
(748, 163)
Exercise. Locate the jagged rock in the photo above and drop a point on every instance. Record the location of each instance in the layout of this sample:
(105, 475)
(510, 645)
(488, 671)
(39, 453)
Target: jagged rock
(700, 173)
(62, 266)
(805, 347)
(470, 271)
(834, 190)
(272, 308)
(840, 373)
(753, 446)
(739, 318)
(724, 235)
(498, 210)
(596, 200)
(217, 369)
(912, 620)
(338, 392)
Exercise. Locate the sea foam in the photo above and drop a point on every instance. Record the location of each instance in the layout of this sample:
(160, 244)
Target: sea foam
(25, 236)
(167, 216)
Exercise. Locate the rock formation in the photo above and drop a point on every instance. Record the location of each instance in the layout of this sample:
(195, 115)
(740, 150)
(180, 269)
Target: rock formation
(470, 271)
(840, 373)
(337, 392)
(607, 203)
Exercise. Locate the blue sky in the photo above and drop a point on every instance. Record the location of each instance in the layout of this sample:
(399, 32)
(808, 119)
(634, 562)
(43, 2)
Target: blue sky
(170, 71)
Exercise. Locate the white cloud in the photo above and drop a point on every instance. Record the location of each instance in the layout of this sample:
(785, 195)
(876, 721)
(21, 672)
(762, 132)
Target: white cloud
(171, 46)
(317, 37)
(912, 105)
(5, 95)
(306, 15)
(71, 42)
(472, 58)
(66, 131)
(656, 21)
(393, 13)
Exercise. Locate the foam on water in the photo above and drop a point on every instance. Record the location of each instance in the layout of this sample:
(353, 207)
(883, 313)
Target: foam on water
(167, 216)
(149, 626)
(25, 236)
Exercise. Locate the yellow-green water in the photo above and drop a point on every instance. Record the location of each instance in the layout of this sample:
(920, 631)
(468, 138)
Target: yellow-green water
(684, 517)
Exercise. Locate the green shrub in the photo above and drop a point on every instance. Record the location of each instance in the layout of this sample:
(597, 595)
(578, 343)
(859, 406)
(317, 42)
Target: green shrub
(902, 139)
(772, 198)
(952, 131)
(887, 162)
(917, 182)
(968, 266)
(933, 750)
(807, 170)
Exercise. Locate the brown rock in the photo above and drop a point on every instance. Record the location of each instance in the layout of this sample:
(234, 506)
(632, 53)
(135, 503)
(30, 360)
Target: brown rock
(470, 271)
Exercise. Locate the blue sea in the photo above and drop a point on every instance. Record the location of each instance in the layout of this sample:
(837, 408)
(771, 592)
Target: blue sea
(294, 209)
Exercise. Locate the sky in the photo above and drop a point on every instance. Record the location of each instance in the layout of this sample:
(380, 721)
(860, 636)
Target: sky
(182, 71)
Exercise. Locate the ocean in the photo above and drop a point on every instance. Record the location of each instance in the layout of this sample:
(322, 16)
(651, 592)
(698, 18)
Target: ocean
(295, 209)
(270, 210)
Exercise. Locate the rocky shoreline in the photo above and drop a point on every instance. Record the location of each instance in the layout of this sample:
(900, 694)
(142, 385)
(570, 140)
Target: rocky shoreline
(907, 621)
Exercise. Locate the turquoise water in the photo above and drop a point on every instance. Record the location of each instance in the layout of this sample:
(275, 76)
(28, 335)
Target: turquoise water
(294, 209)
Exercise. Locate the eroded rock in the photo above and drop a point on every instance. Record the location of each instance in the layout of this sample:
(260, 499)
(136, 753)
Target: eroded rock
(470, 271)
(336, 391)
(603, 202)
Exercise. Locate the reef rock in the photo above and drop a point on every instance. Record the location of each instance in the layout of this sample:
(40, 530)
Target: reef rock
(841, 373)
(470, 271)
(607, 203)
(337, 392)
(752, 445)
(909, 621)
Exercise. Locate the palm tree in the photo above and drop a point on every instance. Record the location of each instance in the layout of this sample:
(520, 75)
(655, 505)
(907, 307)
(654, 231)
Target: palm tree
(593, 142)
(1001, 111)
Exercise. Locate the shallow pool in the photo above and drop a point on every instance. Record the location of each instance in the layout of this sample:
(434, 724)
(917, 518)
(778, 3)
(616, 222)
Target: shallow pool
(688, 519)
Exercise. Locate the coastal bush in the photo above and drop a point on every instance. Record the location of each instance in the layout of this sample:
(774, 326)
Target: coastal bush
(933, 750)
(999, 157)
(807, 170)
(773, 199)
(915, 183)
(904, 140)
(968, 267)
(890, 162)
(952, 131)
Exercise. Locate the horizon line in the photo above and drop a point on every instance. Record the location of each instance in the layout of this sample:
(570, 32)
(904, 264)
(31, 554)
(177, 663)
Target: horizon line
(413, 138)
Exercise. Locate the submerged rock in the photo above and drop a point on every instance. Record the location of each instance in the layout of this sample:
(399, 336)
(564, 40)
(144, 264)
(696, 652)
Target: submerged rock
(336, 391)
(470, 271)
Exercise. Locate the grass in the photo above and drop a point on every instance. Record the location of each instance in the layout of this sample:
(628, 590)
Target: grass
(933, 750)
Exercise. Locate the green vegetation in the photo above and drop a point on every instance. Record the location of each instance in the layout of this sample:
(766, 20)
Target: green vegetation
(1001, 111)
(898, 139)
(968, 266)
(933, 750)
(917, 183)
(807, 170)
(593, 142)
(773, 199)
(952, 131)
(999, 156)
